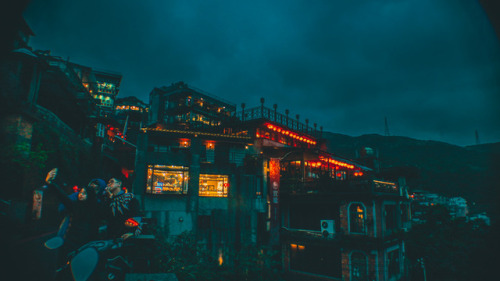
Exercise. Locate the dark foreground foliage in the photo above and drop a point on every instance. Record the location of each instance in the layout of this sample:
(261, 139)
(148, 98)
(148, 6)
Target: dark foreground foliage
(452, 249)
(191, 261)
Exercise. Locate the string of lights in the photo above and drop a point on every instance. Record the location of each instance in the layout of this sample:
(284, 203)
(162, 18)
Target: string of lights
(195, 133)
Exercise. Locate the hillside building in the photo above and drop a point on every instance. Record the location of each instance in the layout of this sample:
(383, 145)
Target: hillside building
(258, 177)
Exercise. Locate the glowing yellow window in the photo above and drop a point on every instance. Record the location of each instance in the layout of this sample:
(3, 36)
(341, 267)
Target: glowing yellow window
(164, 179)
(213, 185)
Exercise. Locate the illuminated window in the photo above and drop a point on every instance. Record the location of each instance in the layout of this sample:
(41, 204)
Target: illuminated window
(359, 266)
(213, 185)
(167, 179)
(357, 218)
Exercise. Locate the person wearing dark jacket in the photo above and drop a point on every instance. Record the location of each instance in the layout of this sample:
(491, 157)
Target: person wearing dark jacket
(99, 186)
(83, 215)
(122, 208)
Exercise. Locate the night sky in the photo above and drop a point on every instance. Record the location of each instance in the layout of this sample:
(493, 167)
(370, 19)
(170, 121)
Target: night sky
(432, 67)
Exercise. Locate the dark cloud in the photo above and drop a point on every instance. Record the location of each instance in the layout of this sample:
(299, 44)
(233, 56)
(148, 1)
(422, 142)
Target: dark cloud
(430, 66)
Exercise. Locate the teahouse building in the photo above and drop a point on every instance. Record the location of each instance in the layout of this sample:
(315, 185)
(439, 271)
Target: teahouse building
(260, 177)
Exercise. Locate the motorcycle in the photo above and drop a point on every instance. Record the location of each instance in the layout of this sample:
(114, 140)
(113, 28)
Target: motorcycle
(90, 262)
(96, 260)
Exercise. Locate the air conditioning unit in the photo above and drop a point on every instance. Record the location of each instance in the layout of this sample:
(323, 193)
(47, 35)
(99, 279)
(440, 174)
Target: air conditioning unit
(327, 228)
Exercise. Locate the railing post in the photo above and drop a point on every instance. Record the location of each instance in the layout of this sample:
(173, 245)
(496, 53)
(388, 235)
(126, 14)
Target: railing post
(243, 111)
(275, 106)
(261, 107)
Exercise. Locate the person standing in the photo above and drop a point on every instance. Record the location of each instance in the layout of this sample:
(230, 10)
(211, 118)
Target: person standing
(121, 208)
(83, 216)
(98, 187)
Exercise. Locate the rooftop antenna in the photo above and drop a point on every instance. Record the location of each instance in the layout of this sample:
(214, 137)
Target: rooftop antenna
(477, 138)
(386, 127)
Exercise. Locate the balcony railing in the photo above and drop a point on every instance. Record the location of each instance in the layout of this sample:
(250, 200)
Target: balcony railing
(327, 185)
(263, 112)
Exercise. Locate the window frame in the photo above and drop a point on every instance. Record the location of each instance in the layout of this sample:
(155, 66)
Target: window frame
(351, 267)
(167, 168)
(350, 218)
(225, 189)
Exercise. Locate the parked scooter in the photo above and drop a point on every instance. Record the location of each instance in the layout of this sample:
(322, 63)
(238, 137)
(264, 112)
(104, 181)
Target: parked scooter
(91, 262)
(96, 260)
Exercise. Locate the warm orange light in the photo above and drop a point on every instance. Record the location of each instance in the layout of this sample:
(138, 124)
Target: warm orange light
(285, 132)
(221, 258)
(210, 145)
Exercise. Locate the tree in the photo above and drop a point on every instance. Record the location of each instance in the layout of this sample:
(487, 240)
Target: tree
(452, 249)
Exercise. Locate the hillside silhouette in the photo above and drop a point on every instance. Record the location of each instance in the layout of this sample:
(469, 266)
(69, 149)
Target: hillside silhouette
(471, 172)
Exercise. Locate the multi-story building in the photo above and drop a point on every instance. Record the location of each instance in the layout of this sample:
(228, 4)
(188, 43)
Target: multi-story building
(183, 107)
(363, 217)
(106, 88)
(131, 113)
(260, 177)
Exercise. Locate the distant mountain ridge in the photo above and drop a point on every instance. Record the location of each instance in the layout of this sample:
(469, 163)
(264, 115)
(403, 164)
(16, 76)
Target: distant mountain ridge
(471, 172)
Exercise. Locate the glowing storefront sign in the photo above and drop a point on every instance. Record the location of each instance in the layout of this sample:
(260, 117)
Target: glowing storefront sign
(274, 180)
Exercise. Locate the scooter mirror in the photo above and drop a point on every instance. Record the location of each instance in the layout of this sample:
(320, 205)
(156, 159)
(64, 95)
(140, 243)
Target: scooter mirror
(84, 264)
(54, 243)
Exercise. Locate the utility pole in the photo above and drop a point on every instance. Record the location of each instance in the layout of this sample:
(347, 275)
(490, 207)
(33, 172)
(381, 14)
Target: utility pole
(477, 138)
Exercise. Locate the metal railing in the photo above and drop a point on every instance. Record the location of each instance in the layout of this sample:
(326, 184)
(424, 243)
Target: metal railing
(262, 112)
(329, 185)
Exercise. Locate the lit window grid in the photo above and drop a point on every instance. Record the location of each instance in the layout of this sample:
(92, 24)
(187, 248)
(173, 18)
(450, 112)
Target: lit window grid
(163, 179)
(213, 185)
(129, 107)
